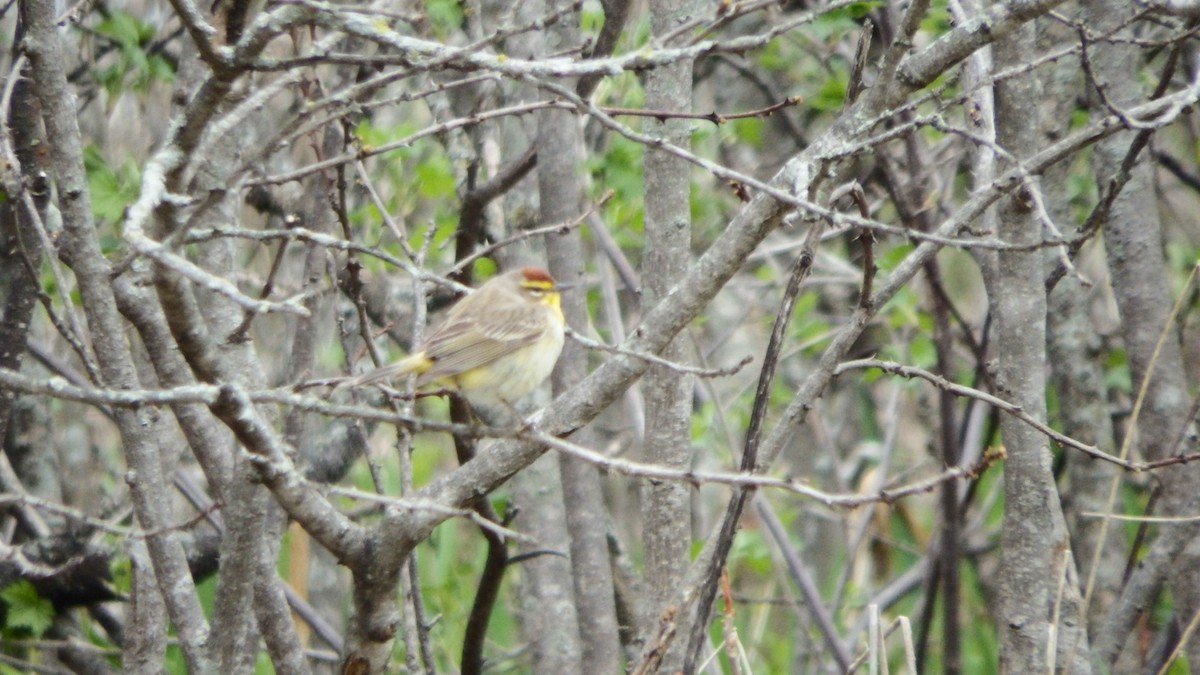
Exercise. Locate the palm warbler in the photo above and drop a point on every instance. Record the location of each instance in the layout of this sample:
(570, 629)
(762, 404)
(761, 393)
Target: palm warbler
(495, 346)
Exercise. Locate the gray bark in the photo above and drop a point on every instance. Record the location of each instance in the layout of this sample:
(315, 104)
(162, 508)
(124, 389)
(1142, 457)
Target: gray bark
(146, 630)
(1073, 350)
(560, 190)
(549, 615)
(19, 241)
(1133, 243)
(667, 506)
(1036, 550)
(81, 248)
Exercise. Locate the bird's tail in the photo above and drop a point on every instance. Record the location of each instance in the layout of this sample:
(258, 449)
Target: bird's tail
(413, 364)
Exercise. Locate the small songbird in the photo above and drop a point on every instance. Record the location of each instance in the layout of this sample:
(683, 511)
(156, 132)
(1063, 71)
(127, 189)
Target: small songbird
(495, 346)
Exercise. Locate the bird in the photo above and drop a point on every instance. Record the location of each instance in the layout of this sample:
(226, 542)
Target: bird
(495, 346)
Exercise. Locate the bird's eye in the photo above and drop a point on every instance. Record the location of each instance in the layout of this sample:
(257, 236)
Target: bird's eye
(535, 292)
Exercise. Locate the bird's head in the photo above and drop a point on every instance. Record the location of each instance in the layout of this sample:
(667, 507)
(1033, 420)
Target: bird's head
(537, 285)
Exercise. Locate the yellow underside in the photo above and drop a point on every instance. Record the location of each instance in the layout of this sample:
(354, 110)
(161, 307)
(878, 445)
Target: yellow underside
(509, 378)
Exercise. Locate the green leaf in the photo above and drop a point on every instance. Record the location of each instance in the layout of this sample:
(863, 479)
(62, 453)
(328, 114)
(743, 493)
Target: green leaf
(748, 130)
(445, 16)
(831, 95)
(133, 62)
(27, 609)
(124, 29)
(121, 570)
(111, 190)
(160, 68)
(922, 353)
(1116, 371)
(936, 20)
(891, 257)
(751, 550)
(436, 178)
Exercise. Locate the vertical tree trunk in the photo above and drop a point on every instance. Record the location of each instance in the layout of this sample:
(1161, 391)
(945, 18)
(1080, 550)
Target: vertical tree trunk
(1077, 375)
(1036, 554)
(560, 186)
(667, 505)
(1133, 242)
(19, 240)
(549, 611)
(80, 246)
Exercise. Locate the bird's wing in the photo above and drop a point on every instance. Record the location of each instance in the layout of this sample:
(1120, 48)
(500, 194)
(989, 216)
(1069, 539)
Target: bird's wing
(464, 343)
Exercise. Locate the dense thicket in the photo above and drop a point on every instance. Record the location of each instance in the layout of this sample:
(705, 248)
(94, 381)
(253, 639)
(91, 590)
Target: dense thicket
(883, 336)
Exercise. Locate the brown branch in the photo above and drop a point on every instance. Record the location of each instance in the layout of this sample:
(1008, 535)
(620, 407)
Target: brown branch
(207, 394)
(470, 214)
(488, 590)
(714, 117)
(230, 399)
(272, 456)
(653, 655)
(433, 130)
(751, 481)
(1178, 170)
(616, 12)
(855, 83)
(1014, 410)
(749, 464)
(866, 236)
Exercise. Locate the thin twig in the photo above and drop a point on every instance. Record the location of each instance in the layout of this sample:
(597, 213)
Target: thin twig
(433, 130)
(1014, 410)
(1140, 519)
(714, 117)
(862, 49)
(658, 360)
(429, 505)
(865, 235)
(1183, 640)
(750, 462)
(663, 638)
(616, 256)
(803, 578)
(556, 228)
